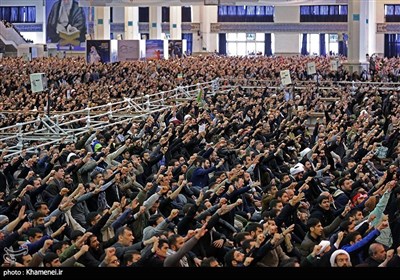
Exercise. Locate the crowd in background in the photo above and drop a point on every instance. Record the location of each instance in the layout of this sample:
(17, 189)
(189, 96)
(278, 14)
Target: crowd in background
(234, 179)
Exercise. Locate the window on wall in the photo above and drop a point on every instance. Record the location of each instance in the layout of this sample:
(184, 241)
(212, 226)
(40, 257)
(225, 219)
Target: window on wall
(165, 14)
(145, 36)
(392, 13)
(189, 42)
(143, 14)
(186, 14)
(246, 13)
(332, 44)
(18, 14)
(323, 13)
(392, 45)
(241, 44)
(313, 42)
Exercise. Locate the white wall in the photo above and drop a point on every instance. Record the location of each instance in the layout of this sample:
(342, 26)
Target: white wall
(287, 43)
(196, 17)
(36, 37)
(287, 14)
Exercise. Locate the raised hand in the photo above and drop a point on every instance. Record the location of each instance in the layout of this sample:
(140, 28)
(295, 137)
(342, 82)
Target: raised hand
(288, 230)
(21, 213)
(174, 213)
(201, 231)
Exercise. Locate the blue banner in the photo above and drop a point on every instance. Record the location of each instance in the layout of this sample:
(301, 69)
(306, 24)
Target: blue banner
(98, 51)
(31, 27)
(154, 49)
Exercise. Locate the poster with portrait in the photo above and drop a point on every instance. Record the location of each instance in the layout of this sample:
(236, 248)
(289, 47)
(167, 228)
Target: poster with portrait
(98, 51)
(128, 50)
(311, 68)
(175, 49)
(154, 49)
(334, 64)
(38, 82)
(285, 77)
(67, 24)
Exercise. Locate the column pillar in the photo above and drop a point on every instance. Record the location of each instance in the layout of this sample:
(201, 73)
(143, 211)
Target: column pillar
(209, 41)
(131, 23)
(358, 36)
(102, 23)
(197, 38)
(175, 22)
(372, 20)
(155, 22)
(287, 44)
(379, 38)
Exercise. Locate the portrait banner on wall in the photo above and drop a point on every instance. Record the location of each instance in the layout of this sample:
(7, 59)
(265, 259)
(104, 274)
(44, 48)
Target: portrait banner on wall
(154, 49)
(175, 48)
(67, 24)
(128, 50)
(98, 51)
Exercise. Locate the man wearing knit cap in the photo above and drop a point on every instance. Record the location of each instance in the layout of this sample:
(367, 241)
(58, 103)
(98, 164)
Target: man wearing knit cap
(340, 258)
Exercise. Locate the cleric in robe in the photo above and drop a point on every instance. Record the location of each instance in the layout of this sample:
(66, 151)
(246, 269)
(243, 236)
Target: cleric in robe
(66, 16)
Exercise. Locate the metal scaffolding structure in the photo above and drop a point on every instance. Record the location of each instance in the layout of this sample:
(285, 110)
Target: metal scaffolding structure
(49, 130)
(69, 126)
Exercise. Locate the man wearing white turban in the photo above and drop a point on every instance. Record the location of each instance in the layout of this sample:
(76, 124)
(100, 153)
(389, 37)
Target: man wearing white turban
(340, 258)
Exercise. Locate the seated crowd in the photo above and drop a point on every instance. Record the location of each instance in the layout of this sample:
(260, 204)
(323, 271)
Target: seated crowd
(234, 179)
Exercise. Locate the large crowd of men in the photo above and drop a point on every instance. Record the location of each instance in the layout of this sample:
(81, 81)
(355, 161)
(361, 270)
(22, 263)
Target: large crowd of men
(236, 179)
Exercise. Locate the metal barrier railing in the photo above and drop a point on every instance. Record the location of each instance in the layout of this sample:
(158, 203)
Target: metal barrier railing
(59, 126)
(54, 128)
(272, 84)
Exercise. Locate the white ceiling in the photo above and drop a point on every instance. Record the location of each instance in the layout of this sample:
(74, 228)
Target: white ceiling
(86, 3)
